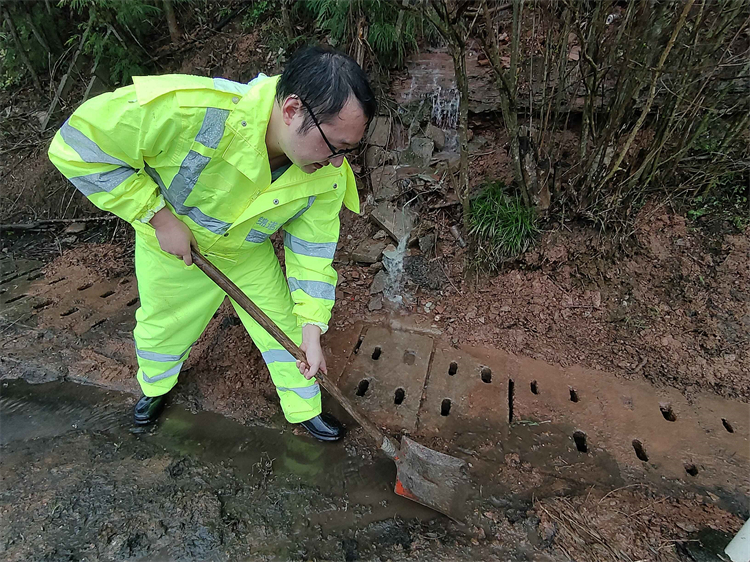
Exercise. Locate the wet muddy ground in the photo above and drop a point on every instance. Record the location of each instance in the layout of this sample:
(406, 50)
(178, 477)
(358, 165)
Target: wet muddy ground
(78, 485)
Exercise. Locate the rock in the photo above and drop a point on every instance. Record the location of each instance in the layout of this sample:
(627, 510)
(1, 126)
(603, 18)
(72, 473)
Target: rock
(377, 156)
(450, 161)
(376, 303)
(378, 284)
(368, 251)
(385, 186)
(396, 222)
(477, 143)
(380, 234)
(427, 243)
(419, 152)
(379, 133)
(75, 228)
(437, 135)
(377, 266)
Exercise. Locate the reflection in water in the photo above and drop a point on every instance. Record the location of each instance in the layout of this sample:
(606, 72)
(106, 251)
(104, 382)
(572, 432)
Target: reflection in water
(254, 453)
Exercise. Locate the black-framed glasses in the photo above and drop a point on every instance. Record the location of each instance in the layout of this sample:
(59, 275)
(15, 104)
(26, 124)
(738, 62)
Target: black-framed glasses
(334, 151)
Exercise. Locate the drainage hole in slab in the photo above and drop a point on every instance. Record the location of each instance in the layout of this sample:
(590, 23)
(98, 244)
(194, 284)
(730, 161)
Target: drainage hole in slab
(107, 294)
(580, 439)
(453, 369)
(410, 357)
(573, 394)
(727, 425)
(84, 287)
(511, 399)
(14, 299)
(359, 344)
(640, 451)
(35, 276)
(399, 397)
(98, 323)
(69, 311)
(133, 301)
(534, 387)
(691, 469)
(667, 412)
(445, 407)
(362, 387)
(57, 281)
(376, 353)
(42, 304)
(486, 374)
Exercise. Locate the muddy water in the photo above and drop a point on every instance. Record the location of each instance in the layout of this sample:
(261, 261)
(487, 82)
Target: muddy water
(78, 483)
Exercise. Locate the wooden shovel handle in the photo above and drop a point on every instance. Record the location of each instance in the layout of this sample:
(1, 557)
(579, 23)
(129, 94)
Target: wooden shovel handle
(387, 445)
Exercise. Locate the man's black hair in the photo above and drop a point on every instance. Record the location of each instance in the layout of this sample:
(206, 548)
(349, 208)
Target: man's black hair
(325, 79)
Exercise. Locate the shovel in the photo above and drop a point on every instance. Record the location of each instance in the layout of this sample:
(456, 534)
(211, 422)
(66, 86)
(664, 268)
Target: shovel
(433, 479)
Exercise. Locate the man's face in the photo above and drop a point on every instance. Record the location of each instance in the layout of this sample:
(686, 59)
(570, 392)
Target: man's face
(309, 149)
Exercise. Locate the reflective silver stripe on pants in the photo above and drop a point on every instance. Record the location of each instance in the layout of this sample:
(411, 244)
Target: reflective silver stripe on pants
(305, 392)
(298, 214)
(315, 289)
(232, 87)
(278, 356)
(165, 375)
(311, 249)
(212, 129)
(214, 225)
(87, 149)
(257, 236)
(101, 181)
(160, 357)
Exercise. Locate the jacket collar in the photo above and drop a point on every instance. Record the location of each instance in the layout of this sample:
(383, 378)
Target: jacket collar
(249, 121)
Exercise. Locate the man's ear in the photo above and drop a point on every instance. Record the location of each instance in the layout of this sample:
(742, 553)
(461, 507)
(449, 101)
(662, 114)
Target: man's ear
(290, 108)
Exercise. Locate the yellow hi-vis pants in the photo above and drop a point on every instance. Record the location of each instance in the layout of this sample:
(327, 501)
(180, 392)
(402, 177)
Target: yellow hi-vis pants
(177, 302)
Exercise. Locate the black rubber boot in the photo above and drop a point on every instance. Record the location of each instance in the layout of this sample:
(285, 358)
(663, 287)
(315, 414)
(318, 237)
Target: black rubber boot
(148, 408)
(324, 427)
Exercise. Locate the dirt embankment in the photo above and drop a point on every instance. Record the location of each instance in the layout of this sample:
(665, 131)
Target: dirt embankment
(673, 307)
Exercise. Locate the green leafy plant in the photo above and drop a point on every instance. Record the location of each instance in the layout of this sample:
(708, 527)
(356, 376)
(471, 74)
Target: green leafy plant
(391, 33)
(501, 226)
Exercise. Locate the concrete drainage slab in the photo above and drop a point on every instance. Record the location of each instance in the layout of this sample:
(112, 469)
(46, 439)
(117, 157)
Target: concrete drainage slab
(464, 392)
(546, 413)
(387, 375)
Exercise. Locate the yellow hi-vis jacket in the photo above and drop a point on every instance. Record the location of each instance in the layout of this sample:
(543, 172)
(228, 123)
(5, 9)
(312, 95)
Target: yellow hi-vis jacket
(198, 145)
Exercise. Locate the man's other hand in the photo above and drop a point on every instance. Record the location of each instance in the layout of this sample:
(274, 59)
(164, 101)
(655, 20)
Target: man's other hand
(173, 235)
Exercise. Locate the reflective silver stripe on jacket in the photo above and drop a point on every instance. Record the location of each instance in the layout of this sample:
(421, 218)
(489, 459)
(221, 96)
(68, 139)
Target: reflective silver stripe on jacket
(315, 289)
(212, 129)
(257, 236)
(87, 149)
(101, 181)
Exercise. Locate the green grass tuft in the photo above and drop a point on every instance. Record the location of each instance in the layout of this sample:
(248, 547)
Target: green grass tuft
(501, 226)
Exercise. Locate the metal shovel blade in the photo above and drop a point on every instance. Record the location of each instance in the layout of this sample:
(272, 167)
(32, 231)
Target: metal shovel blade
(434, 479)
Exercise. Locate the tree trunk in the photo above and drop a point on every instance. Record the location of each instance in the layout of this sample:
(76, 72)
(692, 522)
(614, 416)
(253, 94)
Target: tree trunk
(174, 28)
(286, 20)
(37, 34)
(458, 53)
(19, 46)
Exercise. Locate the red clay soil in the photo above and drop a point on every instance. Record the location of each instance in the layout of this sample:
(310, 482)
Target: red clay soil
(673, 309)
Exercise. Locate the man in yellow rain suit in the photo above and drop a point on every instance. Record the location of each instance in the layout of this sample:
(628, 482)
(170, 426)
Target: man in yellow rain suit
(223, 165)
